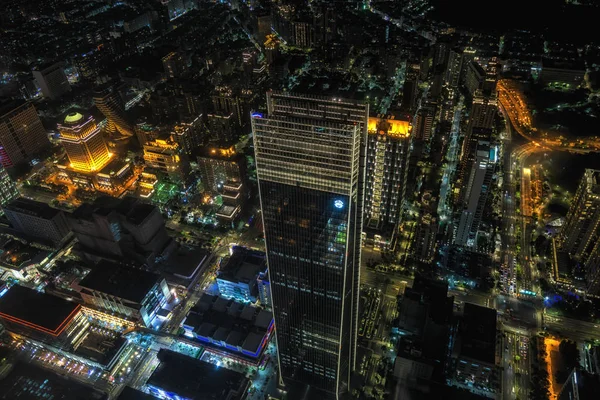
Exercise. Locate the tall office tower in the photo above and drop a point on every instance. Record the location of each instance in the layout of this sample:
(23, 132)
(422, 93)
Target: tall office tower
(426, 229)
(22, 134)
(491, 75)
(110, 103)
(581, 229)
(52, 80)
(310, 177)
(83, 143)
(477, 189)
(440, 53)
(424, 122)
(37, 220)
(483, 110)
(410, 88)
(174, 64)
(8, 189)
(453, 68)
(580, 234)
(386, 168)
(474, 77)
(467, 157)
(302, 34)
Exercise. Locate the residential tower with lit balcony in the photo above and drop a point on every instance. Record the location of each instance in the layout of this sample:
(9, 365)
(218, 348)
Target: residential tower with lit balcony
(388, 143)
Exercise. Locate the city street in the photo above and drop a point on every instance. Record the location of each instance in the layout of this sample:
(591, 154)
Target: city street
(516, 366)
(572, 328)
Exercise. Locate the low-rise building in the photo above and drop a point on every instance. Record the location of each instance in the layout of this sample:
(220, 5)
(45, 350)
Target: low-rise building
(181, 377)
(264, 289)
(237, 275)
(130, 293)
(228, 327)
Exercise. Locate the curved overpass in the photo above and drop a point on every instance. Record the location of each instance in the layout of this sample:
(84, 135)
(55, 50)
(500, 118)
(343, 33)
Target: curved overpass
(514, 107)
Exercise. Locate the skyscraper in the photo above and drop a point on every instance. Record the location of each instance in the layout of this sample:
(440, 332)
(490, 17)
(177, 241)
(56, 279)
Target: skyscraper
(481, 122)
(83, 143)
(477, 189)
(424, 122)
(483, 110)
(174, 64)
(580, 234)
(110, 103)
(310, 176)
(52, 80)
(386, 169)
(21, 132)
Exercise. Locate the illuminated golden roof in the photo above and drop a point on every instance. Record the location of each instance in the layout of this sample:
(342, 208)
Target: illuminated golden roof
(223, 152)
(389, 127)
(72, 118)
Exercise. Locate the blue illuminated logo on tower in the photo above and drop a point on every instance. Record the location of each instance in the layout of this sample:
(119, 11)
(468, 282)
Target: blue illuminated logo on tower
(339, 204)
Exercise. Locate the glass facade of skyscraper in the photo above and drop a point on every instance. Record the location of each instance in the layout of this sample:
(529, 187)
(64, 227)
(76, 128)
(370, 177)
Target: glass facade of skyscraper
(308, 159)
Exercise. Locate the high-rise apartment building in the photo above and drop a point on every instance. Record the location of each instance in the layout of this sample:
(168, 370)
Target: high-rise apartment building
(218, 166)
(427, 228)
(477, 190)
(386, 168)
(110, 103)
(165, 155)
(308, 162)
(21, 132)
(189, 134)
(424, 122)
(174, 64)
(52, 80)
(83, 142)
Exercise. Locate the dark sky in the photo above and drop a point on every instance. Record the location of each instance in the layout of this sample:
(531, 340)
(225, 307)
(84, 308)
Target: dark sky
(555, 18)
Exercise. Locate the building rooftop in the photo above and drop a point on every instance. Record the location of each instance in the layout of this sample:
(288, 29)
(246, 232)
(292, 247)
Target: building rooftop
(390, 127)
(7, 105)
(114, 166)
(119, 281)
(37, 310)
(130, 393)
(32, 207)
(100, 348)
(185, 262)
(73, 118)
(243, 265)
(140, 212)
(478, 333)
(28, 381)
(218, 319)
(195, 379)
